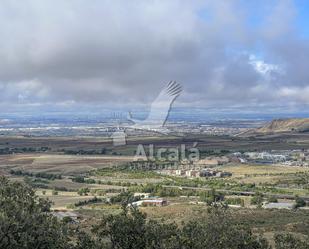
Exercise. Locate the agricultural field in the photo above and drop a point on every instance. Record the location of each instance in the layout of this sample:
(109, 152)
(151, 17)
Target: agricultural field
(89, 176)
(103, 145)
(62, 199)
(296, 179)
(58, 164)
(243, 170)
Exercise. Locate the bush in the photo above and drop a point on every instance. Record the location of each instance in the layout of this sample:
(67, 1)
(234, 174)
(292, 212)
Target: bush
(38, 175)
(131, 229)
(79, 179)
(257, 199)
(83, 191)
(25, 219)
(234, 201)
(272, 199)
(299, 202)
(211, 196)
(86, 202)
(26, 223)
(288, 241)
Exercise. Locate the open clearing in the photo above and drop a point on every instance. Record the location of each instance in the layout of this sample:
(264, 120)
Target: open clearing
(270, 170)
(58, 164)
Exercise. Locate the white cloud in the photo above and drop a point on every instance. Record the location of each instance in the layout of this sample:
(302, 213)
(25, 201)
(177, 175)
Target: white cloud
(123, 52)
(264, 68)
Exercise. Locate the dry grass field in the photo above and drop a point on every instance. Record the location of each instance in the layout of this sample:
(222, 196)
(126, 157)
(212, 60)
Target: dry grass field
(262, 170)
(206, 142)
(69, 184)
(62, 199)
(176, 212)
(58, 164)
(268, 175)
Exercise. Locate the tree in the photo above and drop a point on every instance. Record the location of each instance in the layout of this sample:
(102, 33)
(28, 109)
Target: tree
(83, 191)
(272, 199)
(161, 235)
(124, 231)
(25, 221)
(86, 241)
(130, 229)
(124, 198)
(219, 231)
(211, 196)
(299, 202)
(79, 179)
(288, 241)
(257, 199)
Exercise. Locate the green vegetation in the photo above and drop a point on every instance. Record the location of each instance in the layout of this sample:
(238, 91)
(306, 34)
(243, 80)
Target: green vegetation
(287, 241)
(159, 190)
(127, 171)
(39, 174)
(83, 191)
(124, 198)
(87, 202)
(8, 150)
(36, 182)
(234, 201)
(25, 221)
(54, 192)
(84, 152)
(299, 202)
(79, 179)
(205, 153)
(21, 208)
(257, 199)
(272, 199)
(211, 196)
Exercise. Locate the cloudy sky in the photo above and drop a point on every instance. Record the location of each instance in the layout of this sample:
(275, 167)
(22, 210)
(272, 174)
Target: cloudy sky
(226, 54)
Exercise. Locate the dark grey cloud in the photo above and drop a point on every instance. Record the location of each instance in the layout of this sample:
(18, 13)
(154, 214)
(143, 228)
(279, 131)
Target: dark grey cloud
(123, 52)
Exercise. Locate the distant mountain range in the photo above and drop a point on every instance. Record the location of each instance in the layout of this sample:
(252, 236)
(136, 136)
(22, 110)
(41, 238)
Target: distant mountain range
(297, 125)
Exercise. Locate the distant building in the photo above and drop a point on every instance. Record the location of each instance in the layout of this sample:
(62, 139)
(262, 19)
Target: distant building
(223, 174)
(189, 173)
(279, 205)
(155, 202)
(206, 173)
(192, 173)
(179, 172)
(119, 138)
(150, 202)
(214, 173)
(208, 162)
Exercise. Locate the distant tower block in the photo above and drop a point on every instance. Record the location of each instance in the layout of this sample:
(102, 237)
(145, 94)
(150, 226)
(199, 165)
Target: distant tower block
(119, 138)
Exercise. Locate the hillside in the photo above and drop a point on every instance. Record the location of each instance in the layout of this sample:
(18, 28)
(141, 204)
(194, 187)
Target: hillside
(283, 125)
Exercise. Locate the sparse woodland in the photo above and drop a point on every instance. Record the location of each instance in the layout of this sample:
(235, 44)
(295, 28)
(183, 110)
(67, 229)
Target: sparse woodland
(26, 222)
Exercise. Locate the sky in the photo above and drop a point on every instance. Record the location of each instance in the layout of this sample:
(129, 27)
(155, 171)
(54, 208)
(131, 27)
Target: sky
(228, 55)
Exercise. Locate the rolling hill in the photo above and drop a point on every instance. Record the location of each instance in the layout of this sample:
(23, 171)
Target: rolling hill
(297, 125)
